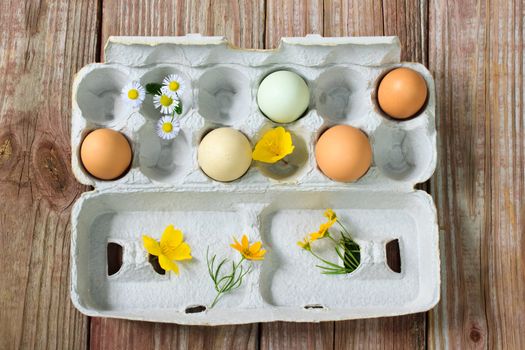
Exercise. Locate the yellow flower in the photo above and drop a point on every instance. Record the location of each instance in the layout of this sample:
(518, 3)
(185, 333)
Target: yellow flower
(253, 252)
(330, 214)
(273, 146)
(305, 243)
(323, 231)
(171, 248)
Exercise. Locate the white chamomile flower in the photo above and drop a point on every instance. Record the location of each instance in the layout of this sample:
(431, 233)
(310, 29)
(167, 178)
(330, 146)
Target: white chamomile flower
(168, 127)
(134, 93)
(165, 102)
(174, 85)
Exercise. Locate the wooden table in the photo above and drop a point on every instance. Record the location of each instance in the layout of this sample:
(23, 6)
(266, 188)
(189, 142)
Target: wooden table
(474, 50)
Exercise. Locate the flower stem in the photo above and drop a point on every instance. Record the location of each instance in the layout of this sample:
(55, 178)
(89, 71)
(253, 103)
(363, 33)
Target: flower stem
(228, 282)
(344, 228)
(215, 300)
(323, 260)
(332, 238)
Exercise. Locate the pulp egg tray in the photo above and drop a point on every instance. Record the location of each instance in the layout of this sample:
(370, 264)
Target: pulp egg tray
(166, 186)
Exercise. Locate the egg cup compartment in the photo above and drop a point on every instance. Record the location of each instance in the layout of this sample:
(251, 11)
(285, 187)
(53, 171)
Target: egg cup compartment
(425, 115)
(81, 128)
(224, 95)
(306, 73)
(98, 94)
(273, 203)
(403, 155)
(282, 286)
(156, 75)
(341, 94)
(292, 167)
(166, 161)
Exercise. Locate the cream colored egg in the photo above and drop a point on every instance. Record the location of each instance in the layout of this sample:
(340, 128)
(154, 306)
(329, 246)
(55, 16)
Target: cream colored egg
(224, 154)
(283, 96)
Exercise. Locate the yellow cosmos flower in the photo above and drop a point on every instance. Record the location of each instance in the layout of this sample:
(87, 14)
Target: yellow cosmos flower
(305, 243)
(273, 146)
(323, 230)
(171, 248)
(253, 252)
(330, 214)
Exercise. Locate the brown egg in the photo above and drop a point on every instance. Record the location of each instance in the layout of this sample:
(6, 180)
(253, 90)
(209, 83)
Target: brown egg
(402, 93)
(106, 154)
(343, 153)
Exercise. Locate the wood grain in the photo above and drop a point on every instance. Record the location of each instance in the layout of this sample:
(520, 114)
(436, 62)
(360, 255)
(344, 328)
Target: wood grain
(43, 44)
(289, 335)
(405, 19)
(122, 334)
(402, 332)
(242, 23)
(476, 55)
(292, 18)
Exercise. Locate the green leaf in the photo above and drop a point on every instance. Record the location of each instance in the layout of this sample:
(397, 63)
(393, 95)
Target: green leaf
(178, 109)
(153, 88)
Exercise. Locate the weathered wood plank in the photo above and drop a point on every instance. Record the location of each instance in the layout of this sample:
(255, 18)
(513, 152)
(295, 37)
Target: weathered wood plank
(403, 332)
(43, 44)
(289, 335)
(292, 18)
(111, 334)
(243, 23)
(476, 54)
(406, 19)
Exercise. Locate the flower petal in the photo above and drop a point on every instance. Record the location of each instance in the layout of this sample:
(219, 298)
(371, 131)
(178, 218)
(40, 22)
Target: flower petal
(315, 236)
(151, 245)
(182, 252)
(263, 154)
(170, 240)
(245, 242)
(274, 145)
(167, 264)
(255, 247)
(237, 246)
(330, 214)
(259, 255)
(261, 252)
(305, 243)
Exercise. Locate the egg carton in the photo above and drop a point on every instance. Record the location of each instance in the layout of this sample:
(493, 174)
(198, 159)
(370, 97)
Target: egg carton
(166, 186)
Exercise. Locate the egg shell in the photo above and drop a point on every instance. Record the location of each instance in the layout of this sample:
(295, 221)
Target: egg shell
(106, 154)
(343, 153)
(283, 96)
(402, 93)
(224, 154)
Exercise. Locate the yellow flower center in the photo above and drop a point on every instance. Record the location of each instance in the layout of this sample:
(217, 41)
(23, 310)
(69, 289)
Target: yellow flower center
(133, 94)
(174, 86)
(166, 101)
(246, 252)
(167, 127)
